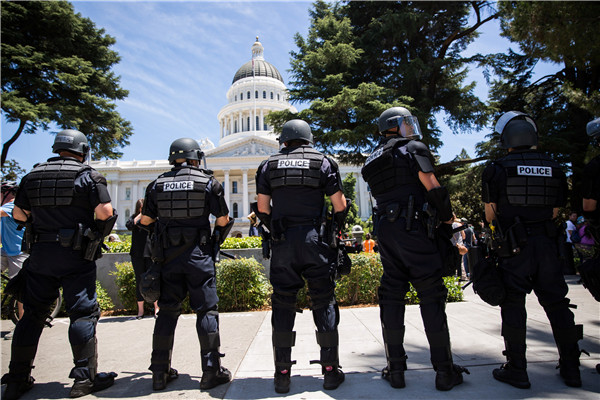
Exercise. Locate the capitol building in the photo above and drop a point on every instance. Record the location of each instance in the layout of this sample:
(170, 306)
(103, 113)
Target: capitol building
(245, 141)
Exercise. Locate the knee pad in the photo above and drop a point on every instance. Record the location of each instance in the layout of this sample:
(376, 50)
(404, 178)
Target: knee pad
(282, 299)
(513, 299)
(92, 315)
(387, 297)
(431, 291)
(322, 300)
(551, 306)
(170, 312)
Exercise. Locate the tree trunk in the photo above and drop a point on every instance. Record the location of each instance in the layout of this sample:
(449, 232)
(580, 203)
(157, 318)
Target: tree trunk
(10, 141)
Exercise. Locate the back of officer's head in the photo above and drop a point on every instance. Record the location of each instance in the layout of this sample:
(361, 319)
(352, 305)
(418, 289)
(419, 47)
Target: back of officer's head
(70, 142)
(296, 132)
(185, 149)
(517, 131)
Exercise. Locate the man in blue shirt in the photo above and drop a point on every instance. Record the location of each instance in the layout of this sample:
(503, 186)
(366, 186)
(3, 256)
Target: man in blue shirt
(12, 256)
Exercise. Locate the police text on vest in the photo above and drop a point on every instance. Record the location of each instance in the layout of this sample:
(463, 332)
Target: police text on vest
(177, 186)
(293, 163)
(530, 170)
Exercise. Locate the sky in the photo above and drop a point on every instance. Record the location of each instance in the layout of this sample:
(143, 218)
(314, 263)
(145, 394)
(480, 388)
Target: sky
(178, 59)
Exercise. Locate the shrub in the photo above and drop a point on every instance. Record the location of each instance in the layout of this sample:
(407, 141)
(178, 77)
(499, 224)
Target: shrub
(125, 280)
(250, 242)
(104, 299)
(242, 285)
(119, 247)
(361, 285)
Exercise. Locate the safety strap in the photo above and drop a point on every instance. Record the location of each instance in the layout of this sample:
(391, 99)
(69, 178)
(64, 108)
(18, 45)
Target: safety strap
(393, 337)
(212, 341)
(284, 339)
(327, 339)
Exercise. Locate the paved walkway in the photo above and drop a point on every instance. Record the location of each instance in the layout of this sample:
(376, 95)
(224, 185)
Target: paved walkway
(124, 347)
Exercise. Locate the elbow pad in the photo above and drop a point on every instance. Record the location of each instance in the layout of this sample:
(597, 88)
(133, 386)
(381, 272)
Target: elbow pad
(440, 199)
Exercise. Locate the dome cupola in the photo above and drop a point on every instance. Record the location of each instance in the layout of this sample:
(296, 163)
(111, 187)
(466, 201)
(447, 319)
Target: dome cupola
(261, 67)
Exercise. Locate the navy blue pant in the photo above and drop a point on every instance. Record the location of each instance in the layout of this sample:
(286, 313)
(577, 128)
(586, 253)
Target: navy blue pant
(536, 268)
(303, 255)
(410, 256)
(191, 272)
(50, 267)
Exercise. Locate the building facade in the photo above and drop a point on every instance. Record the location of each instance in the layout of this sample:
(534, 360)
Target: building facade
(245, 141)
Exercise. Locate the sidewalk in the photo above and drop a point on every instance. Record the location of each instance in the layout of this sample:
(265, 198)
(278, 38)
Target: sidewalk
(124, 347)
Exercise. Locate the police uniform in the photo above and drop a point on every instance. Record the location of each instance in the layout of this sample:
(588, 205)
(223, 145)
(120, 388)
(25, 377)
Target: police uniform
(181, 201)
(61, 194)
(296, 179)
(526, 186)
(407, 253)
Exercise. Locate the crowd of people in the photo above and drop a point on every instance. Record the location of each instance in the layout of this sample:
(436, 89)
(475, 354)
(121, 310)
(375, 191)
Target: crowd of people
(67, 211)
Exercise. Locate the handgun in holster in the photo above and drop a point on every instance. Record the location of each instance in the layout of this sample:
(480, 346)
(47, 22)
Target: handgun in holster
(431, 219)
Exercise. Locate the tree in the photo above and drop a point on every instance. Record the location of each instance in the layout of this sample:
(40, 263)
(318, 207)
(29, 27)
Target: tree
(12, 171)
(360, 58)
(562, 103)
(349, 190)
(56, 68)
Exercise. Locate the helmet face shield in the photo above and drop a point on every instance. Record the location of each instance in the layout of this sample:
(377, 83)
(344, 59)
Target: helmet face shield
(408, 126)
(509, 116)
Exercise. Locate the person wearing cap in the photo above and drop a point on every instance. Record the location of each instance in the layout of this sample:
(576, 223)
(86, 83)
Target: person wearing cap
(176, 209)
(59, 200)
(401, 177)
(522, 192)
(291, 187)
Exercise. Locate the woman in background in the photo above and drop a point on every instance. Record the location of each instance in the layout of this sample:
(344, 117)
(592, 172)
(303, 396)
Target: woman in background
(140, 255)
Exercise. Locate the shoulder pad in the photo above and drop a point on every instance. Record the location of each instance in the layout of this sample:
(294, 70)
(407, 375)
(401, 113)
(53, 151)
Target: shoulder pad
(417, 147)
(217, 188)
(97, 176)
(333, 163)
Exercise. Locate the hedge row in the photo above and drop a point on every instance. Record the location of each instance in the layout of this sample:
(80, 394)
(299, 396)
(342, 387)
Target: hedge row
(242, 285)
(252, 242)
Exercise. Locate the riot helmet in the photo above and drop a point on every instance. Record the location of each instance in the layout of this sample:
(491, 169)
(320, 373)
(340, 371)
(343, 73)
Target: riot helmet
(593, 129)
(71, 140)
(516, 130)
(185, 148)
(296, 129)
(401, 118)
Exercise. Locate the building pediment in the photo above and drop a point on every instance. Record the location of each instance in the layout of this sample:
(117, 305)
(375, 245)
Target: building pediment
(245, 147)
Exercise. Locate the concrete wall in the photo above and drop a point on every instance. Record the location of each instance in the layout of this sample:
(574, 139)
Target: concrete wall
(106, 265)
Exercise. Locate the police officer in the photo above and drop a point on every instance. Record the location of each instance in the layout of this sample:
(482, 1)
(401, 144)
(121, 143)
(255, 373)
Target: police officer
(291, 186)
(58, 199)
(400, 175)
(591, 182)
(591, 211)
(177, 205)
(522, 192)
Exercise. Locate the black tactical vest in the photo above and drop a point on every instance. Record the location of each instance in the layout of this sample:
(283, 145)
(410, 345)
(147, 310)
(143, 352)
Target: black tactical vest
(532, 179)
(181, 193)
(52, 184)
(382, 174)
(299, 167)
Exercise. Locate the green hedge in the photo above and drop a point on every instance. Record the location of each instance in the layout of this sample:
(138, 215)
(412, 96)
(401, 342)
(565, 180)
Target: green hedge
(252, 242)
(242, 285)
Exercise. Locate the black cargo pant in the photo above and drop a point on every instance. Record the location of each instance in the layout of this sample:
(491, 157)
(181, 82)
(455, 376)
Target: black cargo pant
(302, 255)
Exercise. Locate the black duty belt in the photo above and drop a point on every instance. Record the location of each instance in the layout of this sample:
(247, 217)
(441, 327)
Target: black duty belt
(46, 237)
(294, 222)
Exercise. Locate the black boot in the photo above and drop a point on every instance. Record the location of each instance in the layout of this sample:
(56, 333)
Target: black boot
(16, 385)
(448, 376)
(213, 374)
(333, 377)
(100, 382)
(568, 349)
(160, 379)
(282, 353)
(160, 362)
(282, 380)
(512, 375)
(396, 357)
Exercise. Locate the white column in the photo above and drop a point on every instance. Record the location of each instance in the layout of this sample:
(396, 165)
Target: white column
(230, 124)
(240, 121)
(364, 198)
(245, 191)
(226, 187)
(262, 119)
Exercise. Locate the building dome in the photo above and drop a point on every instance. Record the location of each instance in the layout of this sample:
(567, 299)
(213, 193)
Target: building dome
(261, 67)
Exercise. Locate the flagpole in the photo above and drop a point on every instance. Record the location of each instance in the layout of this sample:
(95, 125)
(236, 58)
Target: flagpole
(254, 91)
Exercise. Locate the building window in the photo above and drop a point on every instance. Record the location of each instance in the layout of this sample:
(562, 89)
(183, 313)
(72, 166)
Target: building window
(248, 95)
(265, 127)
(127, 193)
(264, 94)
(234, 187)
(257, 123)
(271, 95)
(236, 97)
(277, 96)
(235, 209)
(235, 126)
(127, 213)
(248, 126)
(256, 94)
(241, 96)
